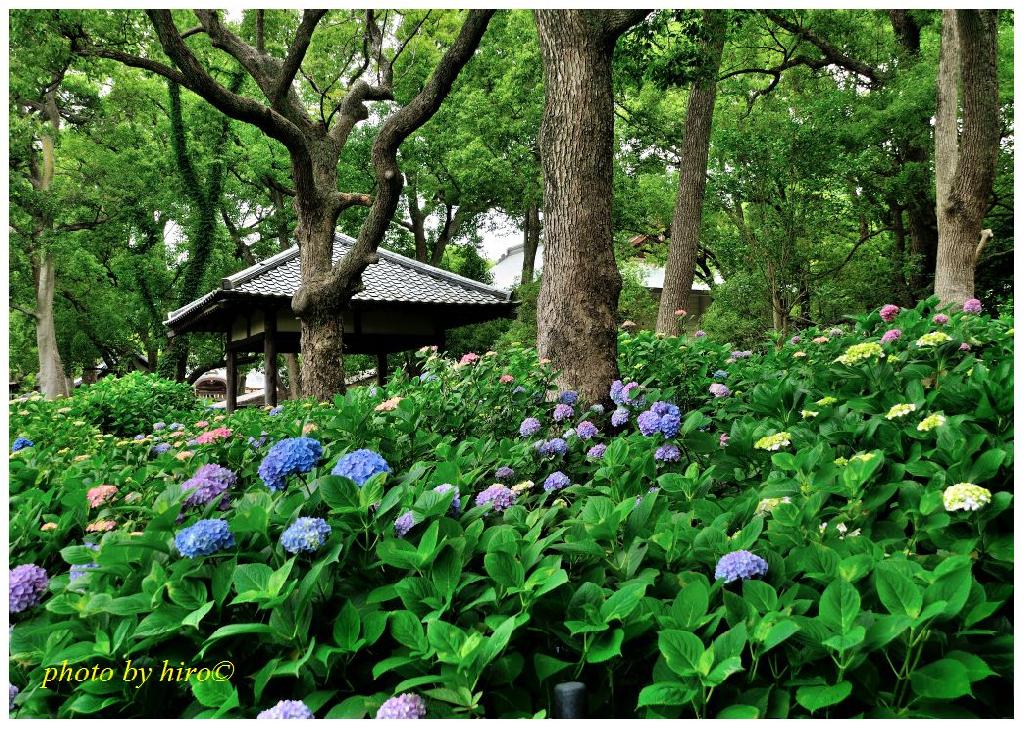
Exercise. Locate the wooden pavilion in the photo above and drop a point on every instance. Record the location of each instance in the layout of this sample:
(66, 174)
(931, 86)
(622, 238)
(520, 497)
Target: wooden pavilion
(405, 305)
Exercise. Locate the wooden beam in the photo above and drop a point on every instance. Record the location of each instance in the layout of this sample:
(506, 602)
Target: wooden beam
(232, 382)
(382, 368)
(270, 359)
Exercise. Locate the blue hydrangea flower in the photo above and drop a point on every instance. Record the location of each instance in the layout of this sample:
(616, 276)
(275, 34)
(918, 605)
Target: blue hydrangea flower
(667, 453)
(528, 427)
(27, 585)
(406, 706)
(504, 474)
(140, 436)
(20, 443)
(204, 538)
(555, 446)
(306, 534)
(276, 410)
(79, 571)
(518, 390)
(651, 490)
(740, 565)
(620, 417)
(258, 443)
(404, 524)
(662, 417)
(360, 466)
(159, 449)
(562, 412)
(597, 451)
(175, 426)
(586, 430)
(456, 503)
(556, 481)
(720, 374)
(286, 709)
(569, 397)
(498, 496)
(289, 457)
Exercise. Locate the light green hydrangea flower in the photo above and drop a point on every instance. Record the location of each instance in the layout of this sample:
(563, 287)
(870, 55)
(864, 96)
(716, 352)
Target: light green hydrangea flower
(931, 422)
(809, 413)
(826, 401)
(899, 410)
(840, 461)
(765, 506)
(773, 442)
(860, 352)
(932, 339)
(965, 497)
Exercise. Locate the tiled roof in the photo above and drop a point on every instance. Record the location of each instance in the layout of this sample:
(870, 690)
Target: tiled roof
(394, 279)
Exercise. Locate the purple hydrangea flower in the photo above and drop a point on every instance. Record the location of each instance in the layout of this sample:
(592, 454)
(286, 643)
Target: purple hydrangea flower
(940, 319)
(276, 411)
(888, 312)
(972, 306)
(406, 706)
(723, 440)
(175, 426)
(404, 524)
(159, 449)
(27, 585)
(209, 482)
(586, 430)
(742, 354)
(498, 496)
(700, 333)
(740, 565)
(286, 709)
(288, 457)
(456, 503)
(554, 447)
(651, 490)
(360, 466)
(504, 474)
(648, 422)
(159, 426)
(20, 443)
(204, 538)
(529, 427)
(597, 451)
(620, 417)
(258, 443)
(622, 394)
(719, 390)
(569, 397)
(795, 339)
(663, 417)
(965, 347)
(891, 336)
(562, 412)
(306, 534)
(13, 692)
(556, 481)
(667, 453)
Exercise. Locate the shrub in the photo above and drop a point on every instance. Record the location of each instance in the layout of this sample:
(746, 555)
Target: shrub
(130, 404)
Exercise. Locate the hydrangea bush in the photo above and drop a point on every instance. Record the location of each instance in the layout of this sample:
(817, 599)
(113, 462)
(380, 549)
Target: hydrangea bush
(833, 537)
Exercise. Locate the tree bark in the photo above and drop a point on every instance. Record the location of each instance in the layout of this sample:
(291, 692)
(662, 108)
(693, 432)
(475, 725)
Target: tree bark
(531, 241)
(686, 218)
(52, 380)
(965, 168)
(577, 307)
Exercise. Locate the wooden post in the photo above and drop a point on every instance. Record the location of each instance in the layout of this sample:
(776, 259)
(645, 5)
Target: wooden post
(269, 358)
(232, 383)
(382, 368)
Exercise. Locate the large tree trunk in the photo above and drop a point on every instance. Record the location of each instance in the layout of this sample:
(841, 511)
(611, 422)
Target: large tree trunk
(965, 168)
(576, 311)
(52, 380)
(686, 218)
(531, 241)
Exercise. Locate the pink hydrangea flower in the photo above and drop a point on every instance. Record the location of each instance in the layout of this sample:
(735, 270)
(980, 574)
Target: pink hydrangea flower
(103, 525)
(889, 312)
(202, 424)
(820, 340)
(723, 440)
(940, 319)
(680, 312)
(972, 306)
(49, 526)
(100, 494)
(965, 347)
(214, 435)
(469, 358)
(506, 379)
(388, 405)
(891, 336)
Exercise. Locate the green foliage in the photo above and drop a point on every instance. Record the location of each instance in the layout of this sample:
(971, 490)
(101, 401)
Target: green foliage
(878, 601)
(130, 404)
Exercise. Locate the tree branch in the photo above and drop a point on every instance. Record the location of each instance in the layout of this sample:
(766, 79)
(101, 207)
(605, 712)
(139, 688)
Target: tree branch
(830, 52)
(296, 52)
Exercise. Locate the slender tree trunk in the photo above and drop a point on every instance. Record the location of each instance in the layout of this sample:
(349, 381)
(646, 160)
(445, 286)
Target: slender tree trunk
(52, 380)
(531, 241)
(577, 308)
(899, 258)
(965, 168)
(686, 219)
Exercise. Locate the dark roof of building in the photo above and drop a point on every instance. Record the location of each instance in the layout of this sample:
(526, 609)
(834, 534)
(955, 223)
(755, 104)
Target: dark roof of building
(395, 279)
